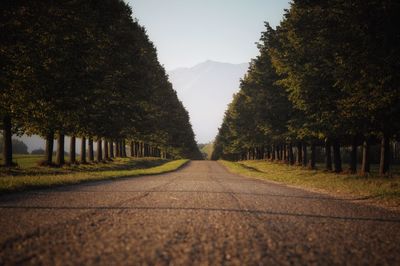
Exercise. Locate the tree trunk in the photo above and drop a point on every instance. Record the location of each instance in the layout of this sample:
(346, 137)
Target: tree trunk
(123, 148)
(304, 154)
(365, 166)
(290, 154)
(111, 144)
(91, 152)
(385, 156)
(278, 152)
(49, 148)
(72, 150)
(311, 163)
(7, 141)
(299, 157)
(284, 151)
(132, 148)
(118, 147)
(273, 153)
(328, 155)
(337, 160)
(83, 150)
(60, 159)
(117, 151)
(106, 154)
(353, 156)
(99, 151)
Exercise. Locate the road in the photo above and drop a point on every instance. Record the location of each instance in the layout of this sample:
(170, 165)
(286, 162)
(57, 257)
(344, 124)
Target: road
(199, 215)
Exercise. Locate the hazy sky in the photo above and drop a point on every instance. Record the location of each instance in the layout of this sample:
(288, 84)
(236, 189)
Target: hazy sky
(187, 32)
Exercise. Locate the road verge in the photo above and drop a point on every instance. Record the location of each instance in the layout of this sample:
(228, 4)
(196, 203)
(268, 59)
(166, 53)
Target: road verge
(34, 178)
(381, 191)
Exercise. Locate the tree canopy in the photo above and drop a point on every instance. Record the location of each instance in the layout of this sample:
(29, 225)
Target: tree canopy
(326, 76)
(87, 69)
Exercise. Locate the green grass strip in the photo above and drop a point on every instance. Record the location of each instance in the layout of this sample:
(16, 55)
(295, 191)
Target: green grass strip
(382, 189)
(32, 180)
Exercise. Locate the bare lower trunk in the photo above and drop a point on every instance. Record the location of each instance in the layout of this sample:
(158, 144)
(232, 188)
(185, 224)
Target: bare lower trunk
(49, 148)
(278, 152)
(353, 156)
(111, 144)
(304, 154)
(106, 154)
(385, 156)
(273, 153)
(328, 155)
(72, 150)
(91, 152)
(311, 163)
(269, 153)
(365, 166)
(123, 148)
(337, 159)
(99, 150)
(83, 150)
(117, 150)
(290, 154)
(132, 144)
(7, 141)
(284, 151)
(60, 159)
(299, 157)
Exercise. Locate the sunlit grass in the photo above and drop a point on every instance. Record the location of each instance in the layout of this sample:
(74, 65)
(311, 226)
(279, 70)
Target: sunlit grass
(22, 178)
(383, 189)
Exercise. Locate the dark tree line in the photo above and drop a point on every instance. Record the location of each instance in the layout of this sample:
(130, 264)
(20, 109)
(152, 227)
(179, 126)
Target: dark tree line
(86, 69)
(326, 79)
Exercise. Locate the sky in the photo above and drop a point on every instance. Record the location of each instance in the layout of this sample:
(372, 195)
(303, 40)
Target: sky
(187, 32)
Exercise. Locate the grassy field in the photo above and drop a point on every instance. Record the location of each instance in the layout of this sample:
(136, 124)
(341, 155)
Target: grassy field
(381, 190)
(25, 160)
(29, 175)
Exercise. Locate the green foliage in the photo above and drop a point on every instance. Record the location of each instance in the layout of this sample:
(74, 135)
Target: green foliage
(87, 68)
(328, 72)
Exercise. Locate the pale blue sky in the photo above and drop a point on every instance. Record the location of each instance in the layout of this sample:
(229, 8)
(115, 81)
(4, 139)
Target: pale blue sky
(187, 32)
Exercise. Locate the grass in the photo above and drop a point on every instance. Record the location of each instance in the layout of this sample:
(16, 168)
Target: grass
(381, 190)
(28, 175)
(25, 160)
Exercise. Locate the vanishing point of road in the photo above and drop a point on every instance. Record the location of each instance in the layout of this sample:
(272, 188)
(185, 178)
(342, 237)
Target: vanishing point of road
(199, 215)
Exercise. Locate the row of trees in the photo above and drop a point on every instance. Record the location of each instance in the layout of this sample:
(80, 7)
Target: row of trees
(85, 68)
(326, 77)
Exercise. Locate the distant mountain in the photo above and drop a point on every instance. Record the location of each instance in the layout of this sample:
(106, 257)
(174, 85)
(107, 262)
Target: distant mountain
(205, 90)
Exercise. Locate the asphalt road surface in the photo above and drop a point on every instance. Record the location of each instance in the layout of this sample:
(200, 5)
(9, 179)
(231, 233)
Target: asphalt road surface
(199, 215)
